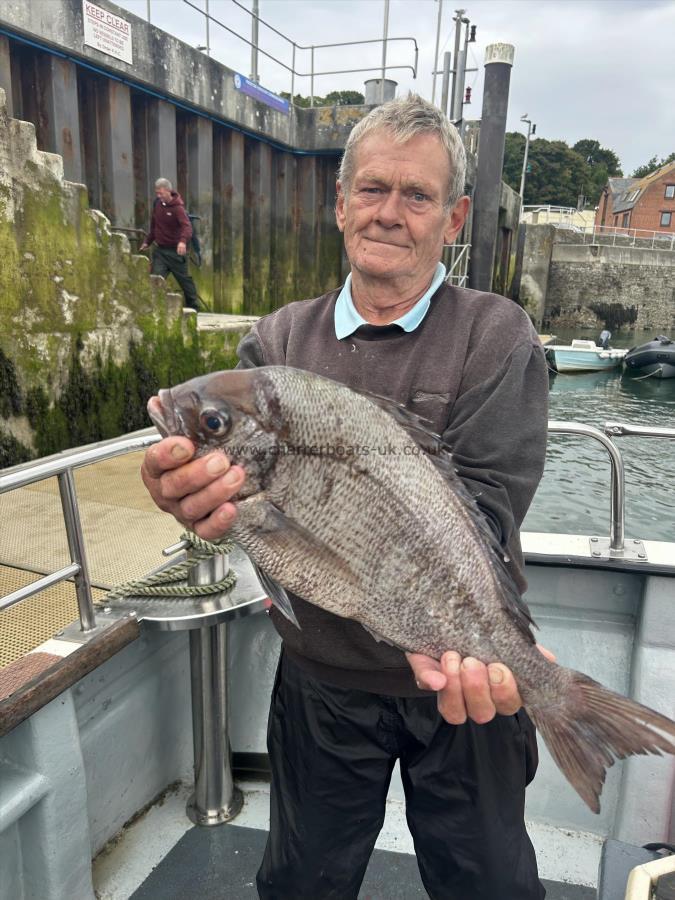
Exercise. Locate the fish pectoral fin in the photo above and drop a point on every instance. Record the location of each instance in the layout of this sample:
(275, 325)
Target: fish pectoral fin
(277, 595)
(284, 537)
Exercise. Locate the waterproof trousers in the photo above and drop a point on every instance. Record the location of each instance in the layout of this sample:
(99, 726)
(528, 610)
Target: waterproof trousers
(165, 260)
(332, 752)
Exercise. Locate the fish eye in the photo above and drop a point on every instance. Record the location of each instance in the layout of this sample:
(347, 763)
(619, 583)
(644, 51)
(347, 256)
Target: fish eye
(216, 422)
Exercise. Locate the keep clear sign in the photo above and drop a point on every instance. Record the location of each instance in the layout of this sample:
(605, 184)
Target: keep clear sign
(106, 32)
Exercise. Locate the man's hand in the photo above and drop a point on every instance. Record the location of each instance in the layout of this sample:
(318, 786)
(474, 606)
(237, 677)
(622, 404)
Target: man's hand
(143, 246)
(468, 689)
(197, 492)
(180, 249)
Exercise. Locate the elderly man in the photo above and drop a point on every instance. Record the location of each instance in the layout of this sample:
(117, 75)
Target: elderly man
(345, 707)
(170, 231)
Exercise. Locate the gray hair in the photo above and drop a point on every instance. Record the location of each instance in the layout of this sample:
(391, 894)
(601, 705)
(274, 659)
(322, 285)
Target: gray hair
(163, 183)
(405, 118)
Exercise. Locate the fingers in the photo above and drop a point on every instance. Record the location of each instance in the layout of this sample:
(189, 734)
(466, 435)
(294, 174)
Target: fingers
(451, 700)
(427, 672)
(503, 690)
(550, 656)
(197, 492)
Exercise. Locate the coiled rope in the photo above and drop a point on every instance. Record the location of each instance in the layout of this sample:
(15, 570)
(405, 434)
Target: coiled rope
(172, 581)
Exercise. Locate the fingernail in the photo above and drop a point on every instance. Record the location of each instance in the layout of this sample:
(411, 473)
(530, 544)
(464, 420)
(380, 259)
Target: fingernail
(217, 464)
(231, 478)
(179, 452)
(495, 674)
(471, 663)
(452, 664)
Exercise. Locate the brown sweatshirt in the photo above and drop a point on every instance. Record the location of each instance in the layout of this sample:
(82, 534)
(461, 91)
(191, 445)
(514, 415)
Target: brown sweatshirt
(475, 369)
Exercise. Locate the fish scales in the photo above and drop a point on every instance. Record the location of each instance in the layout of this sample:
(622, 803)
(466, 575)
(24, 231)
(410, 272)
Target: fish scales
(342, 508)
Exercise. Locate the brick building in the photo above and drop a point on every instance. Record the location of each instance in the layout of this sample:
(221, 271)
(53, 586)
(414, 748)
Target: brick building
(644, 204)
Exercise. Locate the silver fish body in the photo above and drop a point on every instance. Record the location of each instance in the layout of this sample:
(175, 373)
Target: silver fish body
(343, 507)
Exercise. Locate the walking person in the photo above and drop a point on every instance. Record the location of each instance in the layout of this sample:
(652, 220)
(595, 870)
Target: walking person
(345, 707)
(171, 231)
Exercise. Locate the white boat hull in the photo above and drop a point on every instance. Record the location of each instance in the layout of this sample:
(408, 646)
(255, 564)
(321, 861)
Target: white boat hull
(584, 359)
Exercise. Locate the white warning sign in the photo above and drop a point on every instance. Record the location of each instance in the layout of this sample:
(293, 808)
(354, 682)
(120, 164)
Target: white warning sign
(106, 32)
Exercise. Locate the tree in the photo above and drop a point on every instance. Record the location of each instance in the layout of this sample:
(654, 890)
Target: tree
(558, 174)
(333, 98)
(653, 164)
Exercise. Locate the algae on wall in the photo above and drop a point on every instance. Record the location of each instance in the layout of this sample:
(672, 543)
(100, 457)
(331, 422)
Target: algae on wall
(86, 335)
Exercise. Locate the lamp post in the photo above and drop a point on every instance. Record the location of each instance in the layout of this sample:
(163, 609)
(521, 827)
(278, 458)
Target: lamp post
(531, 129)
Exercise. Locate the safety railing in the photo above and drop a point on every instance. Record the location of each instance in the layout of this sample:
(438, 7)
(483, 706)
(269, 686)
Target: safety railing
(312, 48)
(458, 265)
(63, 464)
(643, 238)
(562, 216)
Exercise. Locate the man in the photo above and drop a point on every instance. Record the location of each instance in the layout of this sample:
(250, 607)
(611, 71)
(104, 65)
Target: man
(344, 706)
(170, 230)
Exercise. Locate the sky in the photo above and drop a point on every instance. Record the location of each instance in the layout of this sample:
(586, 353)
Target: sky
(600, 69)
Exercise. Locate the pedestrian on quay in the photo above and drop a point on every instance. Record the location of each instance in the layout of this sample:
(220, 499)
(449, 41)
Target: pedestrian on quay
(346, 707)
(171, 232)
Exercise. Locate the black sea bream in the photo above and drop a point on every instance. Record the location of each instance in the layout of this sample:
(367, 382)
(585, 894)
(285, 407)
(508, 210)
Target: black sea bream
(342, 507)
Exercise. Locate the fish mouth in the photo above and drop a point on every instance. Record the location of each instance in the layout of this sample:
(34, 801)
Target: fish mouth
(162, 414)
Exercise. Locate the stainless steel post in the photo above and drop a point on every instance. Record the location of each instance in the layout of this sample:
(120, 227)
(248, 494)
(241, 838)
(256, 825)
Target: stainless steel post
(438, 38)
(254, 43)
(293, 74)
(384, 49)
(446, 82)
(208, 39)
(311, 86)
(71, 516)
(215, 799)
(458, 35)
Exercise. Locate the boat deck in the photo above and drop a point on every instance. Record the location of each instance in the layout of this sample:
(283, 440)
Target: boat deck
(162, 856)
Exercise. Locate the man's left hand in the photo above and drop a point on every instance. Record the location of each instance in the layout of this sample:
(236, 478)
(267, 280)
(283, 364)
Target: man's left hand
(180, 249)
(467, 688)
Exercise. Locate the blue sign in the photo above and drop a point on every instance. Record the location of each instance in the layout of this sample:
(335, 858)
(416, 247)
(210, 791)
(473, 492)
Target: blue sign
(246, 86)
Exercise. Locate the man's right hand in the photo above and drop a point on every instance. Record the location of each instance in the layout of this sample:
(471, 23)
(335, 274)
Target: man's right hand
(197, 492)
(143, 246)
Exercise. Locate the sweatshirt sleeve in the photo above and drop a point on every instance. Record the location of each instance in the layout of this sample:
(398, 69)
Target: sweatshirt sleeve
(185, 227)
(498, 433)
(250, 351)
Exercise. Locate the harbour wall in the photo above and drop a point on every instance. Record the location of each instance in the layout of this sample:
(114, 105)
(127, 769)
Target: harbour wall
(86, 335)
(565, 283)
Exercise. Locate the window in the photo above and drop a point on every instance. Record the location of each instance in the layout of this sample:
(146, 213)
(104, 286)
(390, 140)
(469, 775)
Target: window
(666, 218)
(633, 196)
(670, 191)
(626, 219)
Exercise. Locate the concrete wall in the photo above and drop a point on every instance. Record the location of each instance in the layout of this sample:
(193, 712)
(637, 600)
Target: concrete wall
(602, 286)
(564, 283)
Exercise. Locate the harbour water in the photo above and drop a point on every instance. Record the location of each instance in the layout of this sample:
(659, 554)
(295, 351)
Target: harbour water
(573, 497)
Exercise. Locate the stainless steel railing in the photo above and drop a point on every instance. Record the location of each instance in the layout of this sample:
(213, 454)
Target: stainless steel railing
(63, 464)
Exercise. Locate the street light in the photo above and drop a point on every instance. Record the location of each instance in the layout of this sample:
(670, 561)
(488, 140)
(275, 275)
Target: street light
(531, 129)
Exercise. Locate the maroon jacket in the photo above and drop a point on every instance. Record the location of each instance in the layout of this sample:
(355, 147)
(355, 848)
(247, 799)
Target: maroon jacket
(169, 224)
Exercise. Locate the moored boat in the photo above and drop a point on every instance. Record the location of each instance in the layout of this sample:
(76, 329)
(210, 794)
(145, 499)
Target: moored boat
(583, 356)
(655, 358)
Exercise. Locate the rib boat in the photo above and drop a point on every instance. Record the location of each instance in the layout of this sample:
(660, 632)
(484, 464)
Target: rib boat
(133, 761)
(655, 358)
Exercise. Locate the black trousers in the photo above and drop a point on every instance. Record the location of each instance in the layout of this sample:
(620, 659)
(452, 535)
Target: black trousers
(332, 752)
(165, 260)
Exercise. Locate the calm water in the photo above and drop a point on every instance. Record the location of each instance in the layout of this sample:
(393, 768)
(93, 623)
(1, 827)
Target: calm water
(573, 497)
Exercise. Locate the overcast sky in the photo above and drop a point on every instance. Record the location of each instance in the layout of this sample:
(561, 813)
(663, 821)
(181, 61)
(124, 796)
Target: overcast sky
(598, 69)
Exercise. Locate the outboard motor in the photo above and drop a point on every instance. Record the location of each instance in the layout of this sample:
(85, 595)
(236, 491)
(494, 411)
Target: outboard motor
(603, 340)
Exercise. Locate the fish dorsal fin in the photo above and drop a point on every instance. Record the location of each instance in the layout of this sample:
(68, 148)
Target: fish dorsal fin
(440, 454)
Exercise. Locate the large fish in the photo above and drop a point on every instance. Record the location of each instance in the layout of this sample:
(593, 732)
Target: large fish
(342, 507)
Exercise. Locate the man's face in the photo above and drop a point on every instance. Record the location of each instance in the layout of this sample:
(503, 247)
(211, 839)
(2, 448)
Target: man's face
(163, 193)
(393, 220)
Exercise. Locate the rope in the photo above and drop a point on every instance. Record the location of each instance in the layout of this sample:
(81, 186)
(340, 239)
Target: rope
(172, 582)
(649, 374)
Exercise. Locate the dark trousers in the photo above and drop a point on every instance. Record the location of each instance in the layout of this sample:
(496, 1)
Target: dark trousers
(165, 260)
(332, 752)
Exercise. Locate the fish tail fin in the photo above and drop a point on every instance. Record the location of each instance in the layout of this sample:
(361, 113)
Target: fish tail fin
(591, 726)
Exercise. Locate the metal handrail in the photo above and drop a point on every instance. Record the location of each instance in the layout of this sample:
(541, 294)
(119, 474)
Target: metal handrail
(617, 487)
(62, 465)
(312, 47)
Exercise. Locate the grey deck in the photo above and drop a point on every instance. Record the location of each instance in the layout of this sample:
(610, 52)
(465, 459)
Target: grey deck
(210, 863)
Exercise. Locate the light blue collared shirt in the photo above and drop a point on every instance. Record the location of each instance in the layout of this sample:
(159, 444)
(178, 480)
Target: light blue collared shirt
(347, 319)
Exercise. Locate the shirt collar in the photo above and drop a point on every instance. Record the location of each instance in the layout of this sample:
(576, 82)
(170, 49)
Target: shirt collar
(347, 319)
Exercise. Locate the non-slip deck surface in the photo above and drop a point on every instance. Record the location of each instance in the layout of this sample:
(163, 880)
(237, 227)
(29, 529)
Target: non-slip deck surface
(220, 863)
